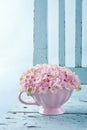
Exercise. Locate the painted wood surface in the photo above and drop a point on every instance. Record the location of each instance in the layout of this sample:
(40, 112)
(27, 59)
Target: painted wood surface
(82, 73)
(27, 117)
(78, 69)
(62, 32)
(40, 54)
(78, 34)
(40, 32)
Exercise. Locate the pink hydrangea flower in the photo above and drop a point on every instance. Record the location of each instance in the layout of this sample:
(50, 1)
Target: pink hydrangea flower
(44, 77)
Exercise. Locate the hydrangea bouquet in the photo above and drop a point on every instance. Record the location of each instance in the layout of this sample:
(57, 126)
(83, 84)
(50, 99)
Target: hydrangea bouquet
(45, 77)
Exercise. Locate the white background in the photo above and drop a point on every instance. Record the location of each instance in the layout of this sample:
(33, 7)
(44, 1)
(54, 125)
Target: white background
(16, 47)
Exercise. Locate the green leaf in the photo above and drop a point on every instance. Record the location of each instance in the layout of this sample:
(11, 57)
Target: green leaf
(21, 78)
(29, 92)
(79, 88)
(56, 86)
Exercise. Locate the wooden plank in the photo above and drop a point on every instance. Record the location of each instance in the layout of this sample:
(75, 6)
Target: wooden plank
(61, 32)
(40, 56)
(40, 32)
(78, 34)
(82, 73)
(40, 122)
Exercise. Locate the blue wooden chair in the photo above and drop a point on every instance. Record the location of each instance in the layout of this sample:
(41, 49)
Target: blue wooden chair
(41, 36)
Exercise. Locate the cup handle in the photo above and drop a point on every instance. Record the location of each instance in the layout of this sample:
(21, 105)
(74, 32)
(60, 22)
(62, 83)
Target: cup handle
(24, 102)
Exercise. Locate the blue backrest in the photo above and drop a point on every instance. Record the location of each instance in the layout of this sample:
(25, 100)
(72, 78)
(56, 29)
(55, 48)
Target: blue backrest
(40, 54)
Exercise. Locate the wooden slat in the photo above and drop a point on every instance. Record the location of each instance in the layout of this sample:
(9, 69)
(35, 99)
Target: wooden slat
(40, 32)
(62, 32)
(82, 73)
(78, 34)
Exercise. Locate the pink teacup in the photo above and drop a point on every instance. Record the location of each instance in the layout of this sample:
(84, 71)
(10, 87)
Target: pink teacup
(50, 102)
